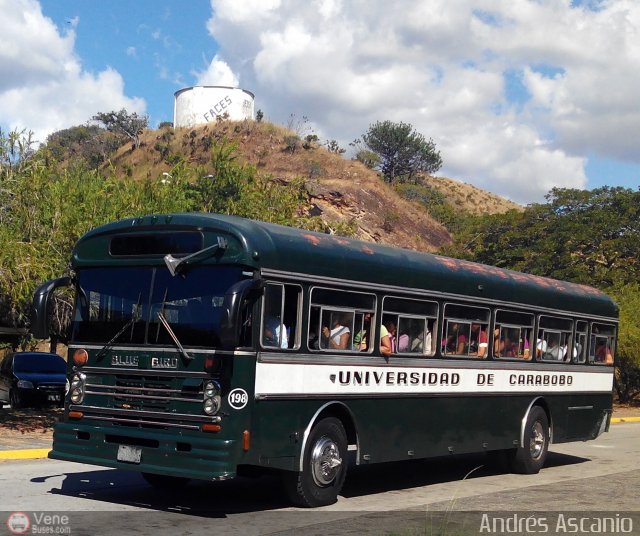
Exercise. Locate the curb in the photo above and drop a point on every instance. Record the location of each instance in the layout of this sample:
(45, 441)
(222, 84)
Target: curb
(617, 420)
(24, 454)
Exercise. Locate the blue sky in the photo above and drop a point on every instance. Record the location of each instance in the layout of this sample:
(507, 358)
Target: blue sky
(519, 96)
(156, 46)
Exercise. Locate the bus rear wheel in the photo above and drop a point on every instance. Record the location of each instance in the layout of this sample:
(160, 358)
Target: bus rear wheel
(324, 467)
(164, 481)
(529, 458)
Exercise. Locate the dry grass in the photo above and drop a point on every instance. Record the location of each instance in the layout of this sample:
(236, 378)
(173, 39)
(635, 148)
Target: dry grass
(340, 190)
(471, 199)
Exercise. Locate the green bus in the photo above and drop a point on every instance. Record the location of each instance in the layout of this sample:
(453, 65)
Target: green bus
(203, 346)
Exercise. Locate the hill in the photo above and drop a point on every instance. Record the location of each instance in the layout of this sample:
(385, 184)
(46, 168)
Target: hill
(338, 190)
(466, 197)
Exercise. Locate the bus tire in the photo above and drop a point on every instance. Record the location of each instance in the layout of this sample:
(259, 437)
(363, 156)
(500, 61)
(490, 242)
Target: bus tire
(529, 458)
(165, 482)
(324, 467)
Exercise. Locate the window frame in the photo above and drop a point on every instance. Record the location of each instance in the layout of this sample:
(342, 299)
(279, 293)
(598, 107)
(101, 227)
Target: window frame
(568, 342)
(611, 342)
(512, 325)
(343, 310)
(298, 331)
(445, 323)
(415, 316)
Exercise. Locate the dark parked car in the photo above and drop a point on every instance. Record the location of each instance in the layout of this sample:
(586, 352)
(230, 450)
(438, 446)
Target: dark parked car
(32, 378)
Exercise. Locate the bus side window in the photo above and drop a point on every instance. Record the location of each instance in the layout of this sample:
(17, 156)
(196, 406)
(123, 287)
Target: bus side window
(580, 342)
(410, 323)
(601, 345)
(554, 339)
(465, 331)
(512, 334)
(341, 321)
(281, 316)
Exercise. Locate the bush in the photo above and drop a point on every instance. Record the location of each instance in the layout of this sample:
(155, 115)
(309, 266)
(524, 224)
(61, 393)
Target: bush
(291, 143)
(368, 158)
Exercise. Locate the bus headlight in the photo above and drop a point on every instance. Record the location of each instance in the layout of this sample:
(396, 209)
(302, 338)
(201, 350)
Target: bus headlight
(211, 398)
(76, 392)
(211, 405)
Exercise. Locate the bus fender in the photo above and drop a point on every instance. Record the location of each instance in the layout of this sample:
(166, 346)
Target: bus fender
(539, 401)
(335, 409)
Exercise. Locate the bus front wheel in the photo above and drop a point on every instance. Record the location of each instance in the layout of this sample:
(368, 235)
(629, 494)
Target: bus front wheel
(324, 466)
(530, 457)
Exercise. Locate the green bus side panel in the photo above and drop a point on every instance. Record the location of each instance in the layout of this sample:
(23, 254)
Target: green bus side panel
(398, 429)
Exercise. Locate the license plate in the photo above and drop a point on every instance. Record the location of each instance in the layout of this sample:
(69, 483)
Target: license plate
(53, 398)
(129, 454)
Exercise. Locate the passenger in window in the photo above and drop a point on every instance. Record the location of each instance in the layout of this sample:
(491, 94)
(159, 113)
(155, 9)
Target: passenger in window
(420, 340)
(554, 351)
(510, 348)
(338, 336)
(360, 339)
(479, 341)
(403, 342)
(275, 334)
(498, 343)
(603, 352)
(388, 338)
(456, 342)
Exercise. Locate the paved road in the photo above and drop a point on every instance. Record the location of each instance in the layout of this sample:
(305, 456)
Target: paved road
(593, 479)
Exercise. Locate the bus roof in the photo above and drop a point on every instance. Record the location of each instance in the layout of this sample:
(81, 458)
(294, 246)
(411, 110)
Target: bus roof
(260, 245)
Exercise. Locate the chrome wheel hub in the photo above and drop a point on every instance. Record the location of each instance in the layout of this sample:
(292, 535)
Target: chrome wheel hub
(325, 461)
(536, 445)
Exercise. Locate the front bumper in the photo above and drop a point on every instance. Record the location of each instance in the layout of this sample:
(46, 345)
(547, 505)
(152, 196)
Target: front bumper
(199, 456)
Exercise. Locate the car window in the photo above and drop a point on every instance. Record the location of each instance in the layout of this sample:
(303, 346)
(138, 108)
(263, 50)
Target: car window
(45, 363)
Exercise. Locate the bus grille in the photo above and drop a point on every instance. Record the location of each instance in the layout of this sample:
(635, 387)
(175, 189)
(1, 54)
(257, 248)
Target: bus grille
(142, 401)
(151, 394)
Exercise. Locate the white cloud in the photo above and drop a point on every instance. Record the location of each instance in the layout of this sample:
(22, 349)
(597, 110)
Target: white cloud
(442, 66)
(217, 74)
(42, 84)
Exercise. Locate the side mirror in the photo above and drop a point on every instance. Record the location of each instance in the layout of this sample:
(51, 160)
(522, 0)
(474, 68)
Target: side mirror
(234, 299)
(40, 306)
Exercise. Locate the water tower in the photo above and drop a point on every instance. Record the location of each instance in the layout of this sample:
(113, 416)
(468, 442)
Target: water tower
(199, 105)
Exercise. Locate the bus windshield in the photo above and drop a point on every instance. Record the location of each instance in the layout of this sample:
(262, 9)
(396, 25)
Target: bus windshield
(108, 299)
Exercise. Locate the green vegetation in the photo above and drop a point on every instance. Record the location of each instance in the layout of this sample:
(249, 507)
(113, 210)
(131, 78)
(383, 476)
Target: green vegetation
(588, 237)
(403, 152)
(52, 196)
(436, 204)
(90, 145)
(124, 124)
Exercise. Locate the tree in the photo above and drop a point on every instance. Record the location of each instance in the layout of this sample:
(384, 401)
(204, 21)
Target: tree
(123, 123)
(90, 143)
(590, 237)
(627, 358)
(403, 152)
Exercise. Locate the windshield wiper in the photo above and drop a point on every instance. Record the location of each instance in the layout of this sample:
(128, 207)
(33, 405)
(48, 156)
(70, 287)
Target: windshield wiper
(179, 346)
(135, 316)
(173, 264)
